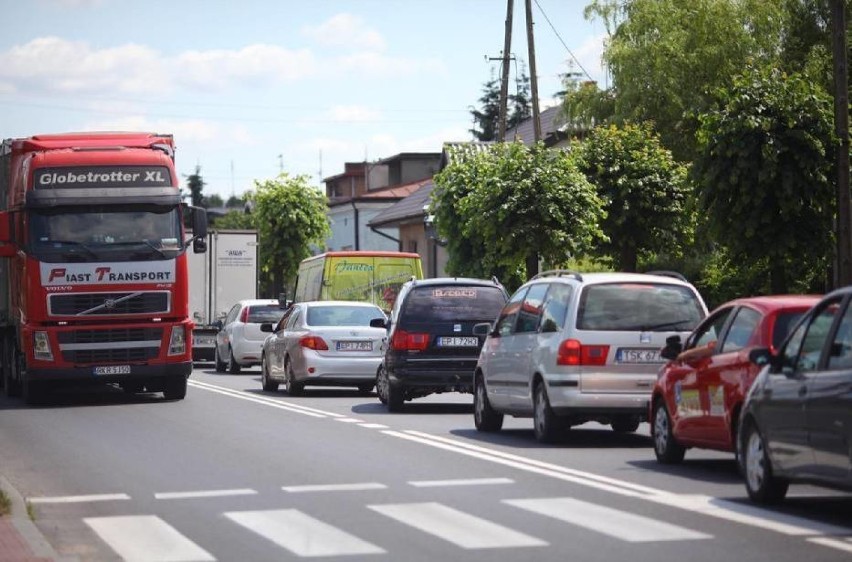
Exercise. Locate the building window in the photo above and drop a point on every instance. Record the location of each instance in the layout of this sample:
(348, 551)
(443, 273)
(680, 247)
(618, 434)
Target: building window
(412, 246)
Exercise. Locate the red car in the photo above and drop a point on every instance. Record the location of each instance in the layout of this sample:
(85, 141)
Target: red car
(697, 398)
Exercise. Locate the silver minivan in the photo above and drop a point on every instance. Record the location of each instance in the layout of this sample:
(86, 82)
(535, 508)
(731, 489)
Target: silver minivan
(570, 348)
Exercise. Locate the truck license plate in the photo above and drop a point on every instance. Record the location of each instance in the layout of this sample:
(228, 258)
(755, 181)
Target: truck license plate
(113, 370)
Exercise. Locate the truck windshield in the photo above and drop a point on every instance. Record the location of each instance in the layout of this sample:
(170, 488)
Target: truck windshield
(104, 233)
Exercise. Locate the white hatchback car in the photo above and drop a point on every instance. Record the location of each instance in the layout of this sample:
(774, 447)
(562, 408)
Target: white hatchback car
(323, 343)
(239, 342)
(570, 348)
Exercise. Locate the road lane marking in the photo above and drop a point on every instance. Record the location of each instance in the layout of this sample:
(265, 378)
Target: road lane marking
(204, 494)
(349, 420)
(265, 401)
(79, 499)
(608, 521)
(146, 538)
(373, 425)
(839, 544)
(460, 482)
(457, 527)
(301, 534)
(334, 487)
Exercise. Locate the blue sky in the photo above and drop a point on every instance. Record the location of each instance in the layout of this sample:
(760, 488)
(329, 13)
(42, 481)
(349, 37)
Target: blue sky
(251, 88)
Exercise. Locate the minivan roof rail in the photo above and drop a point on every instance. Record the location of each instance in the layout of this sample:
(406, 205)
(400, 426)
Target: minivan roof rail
(558, 273)
(666, 273)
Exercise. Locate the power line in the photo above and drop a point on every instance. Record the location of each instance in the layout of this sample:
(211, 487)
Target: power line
(561, 41)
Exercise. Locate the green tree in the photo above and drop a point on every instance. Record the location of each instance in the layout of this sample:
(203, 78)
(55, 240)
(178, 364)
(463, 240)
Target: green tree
(195, 183)
(213, 200)
(487, 117)
(644, 190)
(236, 201)
(585, 106)
(667, 56)
(763, 173)
(290, 217)
(504, 208)
(239, 220)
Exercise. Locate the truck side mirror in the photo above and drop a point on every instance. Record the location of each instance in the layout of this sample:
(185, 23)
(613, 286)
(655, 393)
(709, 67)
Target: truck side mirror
(199, 230)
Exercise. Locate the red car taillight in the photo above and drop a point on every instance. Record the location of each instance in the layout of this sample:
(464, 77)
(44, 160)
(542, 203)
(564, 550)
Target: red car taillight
(313, 342)
(572, 352)
(409, 341)
(244, 315)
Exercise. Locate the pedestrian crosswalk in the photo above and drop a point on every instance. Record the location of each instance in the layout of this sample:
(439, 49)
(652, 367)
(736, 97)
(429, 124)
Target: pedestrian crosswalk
(149, 538)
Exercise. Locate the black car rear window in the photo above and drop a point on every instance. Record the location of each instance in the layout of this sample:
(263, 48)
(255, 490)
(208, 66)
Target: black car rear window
(648, 307)
(452, 303)
(258, 314)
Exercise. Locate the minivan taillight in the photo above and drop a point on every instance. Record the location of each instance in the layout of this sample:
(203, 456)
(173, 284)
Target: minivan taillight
(409, 341)
(313, 342)
(573, 352)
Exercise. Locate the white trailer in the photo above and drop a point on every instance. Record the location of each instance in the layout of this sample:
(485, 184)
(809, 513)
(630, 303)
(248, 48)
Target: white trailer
(218, 279)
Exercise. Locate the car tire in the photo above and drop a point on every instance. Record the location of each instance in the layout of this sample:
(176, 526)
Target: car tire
(175, 388)
(625, 424)
(220, 365)
(382, 384)
(761, 484)
(268, 384)
(233, 366)
(548, 426)
(485, 418)
(291, 385)
(396, 398)
(666, 447)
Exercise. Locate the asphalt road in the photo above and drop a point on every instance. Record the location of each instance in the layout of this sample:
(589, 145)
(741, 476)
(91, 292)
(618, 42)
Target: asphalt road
(234, 473)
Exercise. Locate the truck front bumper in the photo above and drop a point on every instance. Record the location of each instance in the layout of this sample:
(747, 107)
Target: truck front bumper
(137, 372)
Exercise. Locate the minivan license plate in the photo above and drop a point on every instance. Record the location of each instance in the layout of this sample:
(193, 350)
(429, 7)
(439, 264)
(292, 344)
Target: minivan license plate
(113, 370)
(638, 356)
(458, 341)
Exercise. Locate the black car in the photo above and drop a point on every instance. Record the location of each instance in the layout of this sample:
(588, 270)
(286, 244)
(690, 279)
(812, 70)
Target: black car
(796, 424)
(431, 345)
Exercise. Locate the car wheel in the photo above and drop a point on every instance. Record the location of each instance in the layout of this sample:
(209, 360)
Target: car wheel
(761, 484)
(548, 427)
(220, 365)
(291, 385)
(233, 366)
(625, 424)
(485, 417)
(666, 447)
(175, 388)
(396, 398)
(269, 385)
(382, 385)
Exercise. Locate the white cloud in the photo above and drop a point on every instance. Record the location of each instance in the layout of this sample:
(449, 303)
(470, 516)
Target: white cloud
(345, 30)
(590, 56)
(352, 113)
(253, 64)
(184, 130)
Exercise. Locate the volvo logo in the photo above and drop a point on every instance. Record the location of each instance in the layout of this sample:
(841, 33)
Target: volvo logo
(109, 304)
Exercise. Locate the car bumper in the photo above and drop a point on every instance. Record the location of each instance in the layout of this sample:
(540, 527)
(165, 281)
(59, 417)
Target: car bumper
(341, 369)
(567, 399)
(454, 373)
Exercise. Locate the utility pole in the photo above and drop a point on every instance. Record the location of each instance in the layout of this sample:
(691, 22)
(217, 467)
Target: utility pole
(843, 274)
(504, 82)
(533, 78)
(280, 163)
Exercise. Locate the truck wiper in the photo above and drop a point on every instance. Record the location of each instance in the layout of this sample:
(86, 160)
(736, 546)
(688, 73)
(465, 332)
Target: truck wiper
(76, 244)
(146, 242)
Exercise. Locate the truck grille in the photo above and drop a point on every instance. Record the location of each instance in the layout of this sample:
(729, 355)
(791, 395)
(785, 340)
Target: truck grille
(113, 345)
(98, 304)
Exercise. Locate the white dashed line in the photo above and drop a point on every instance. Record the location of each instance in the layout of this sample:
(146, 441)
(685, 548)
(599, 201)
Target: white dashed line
(79, 499)
(349, 420)
(204, 494)
(460, 482)
(334, 487)
(373, 425)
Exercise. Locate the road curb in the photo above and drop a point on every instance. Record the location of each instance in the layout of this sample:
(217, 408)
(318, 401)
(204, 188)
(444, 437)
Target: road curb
(26, 529)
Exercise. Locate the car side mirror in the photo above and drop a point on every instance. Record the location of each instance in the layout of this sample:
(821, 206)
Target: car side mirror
(673, 348)
(217, 324)
(378, 323)
(760, 356)
(266, 327)
(482, 329)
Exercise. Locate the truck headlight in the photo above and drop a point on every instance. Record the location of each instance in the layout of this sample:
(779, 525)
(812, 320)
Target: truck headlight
(177, 342)
(41, 347)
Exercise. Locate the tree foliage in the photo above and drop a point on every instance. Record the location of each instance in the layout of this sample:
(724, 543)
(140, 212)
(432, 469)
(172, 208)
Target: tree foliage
(290, 218)
(764, 172)
(487, 117)
(238, 220)
(505, 207)
(644, 191)
(195, 183)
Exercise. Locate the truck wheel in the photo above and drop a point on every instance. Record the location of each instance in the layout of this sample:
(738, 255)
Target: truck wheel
(33, 392)
(175, 388)
(220, 365)
(233, 366)
(11, 383)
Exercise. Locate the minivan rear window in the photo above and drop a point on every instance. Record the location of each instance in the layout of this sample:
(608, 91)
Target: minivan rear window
(258, 314)
(647, 307)
(452, 303)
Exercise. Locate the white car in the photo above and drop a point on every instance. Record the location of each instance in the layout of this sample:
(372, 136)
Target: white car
(323, 343)
(239, 342)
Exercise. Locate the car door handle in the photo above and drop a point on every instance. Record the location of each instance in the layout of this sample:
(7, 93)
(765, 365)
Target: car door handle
(803, 390)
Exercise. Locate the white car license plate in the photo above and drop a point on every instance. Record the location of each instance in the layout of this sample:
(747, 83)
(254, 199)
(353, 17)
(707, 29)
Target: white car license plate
(113, 370)
(458, 341)
(625, 355)
(354, 346)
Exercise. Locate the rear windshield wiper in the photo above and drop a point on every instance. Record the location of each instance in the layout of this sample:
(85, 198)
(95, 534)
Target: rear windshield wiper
(660, 326)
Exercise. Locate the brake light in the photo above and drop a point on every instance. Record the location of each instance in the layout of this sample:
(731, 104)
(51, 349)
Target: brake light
(409, 341)
(573, 352)
(244, 316)
(313, 342)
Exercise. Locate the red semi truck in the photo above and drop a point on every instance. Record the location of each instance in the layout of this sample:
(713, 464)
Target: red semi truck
(93, 264)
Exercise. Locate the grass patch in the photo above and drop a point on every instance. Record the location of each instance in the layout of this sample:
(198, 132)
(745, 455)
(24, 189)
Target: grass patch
(5, 504)
(31, 512)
